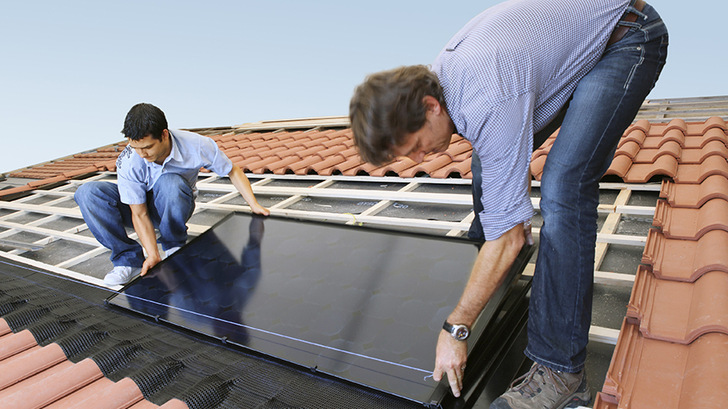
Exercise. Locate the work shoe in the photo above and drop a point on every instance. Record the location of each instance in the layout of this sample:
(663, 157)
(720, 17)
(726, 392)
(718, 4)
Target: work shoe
(120, 275)
(544, 388)
(171, 251)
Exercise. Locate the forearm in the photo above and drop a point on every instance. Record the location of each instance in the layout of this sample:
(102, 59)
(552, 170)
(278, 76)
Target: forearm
(242, 184)
(145, 230)
(491, 267)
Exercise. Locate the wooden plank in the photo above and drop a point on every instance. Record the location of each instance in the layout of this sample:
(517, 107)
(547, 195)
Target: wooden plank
(609, 227)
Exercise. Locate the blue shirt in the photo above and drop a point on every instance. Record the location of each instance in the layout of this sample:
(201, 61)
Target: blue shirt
(190, 152)
(506, 75)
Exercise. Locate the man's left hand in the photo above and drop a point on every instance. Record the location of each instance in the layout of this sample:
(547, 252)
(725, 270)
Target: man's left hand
(258, 209)
(450, 359)
(150, 262)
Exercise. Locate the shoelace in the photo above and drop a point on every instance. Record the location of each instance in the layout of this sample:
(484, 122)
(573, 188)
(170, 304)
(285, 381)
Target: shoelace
(527, 380)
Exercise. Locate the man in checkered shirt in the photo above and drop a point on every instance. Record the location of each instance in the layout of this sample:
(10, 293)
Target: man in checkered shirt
(505, 82)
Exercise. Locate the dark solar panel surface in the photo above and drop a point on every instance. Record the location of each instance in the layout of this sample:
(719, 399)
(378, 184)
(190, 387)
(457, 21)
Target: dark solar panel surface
(360, 304)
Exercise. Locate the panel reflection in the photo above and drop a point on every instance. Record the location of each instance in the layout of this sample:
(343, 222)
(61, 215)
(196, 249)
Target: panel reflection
(361, 304)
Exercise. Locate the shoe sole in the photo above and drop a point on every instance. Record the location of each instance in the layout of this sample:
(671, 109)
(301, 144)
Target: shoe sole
(576, 400)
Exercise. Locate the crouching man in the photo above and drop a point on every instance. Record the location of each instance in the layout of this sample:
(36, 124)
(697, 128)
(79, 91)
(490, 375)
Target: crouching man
(156, 176)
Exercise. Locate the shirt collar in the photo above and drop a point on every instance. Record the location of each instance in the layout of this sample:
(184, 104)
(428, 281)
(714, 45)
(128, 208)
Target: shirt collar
(174, 153)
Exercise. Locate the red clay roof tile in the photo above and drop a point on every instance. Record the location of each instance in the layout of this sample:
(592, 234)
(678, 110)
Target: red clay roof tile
(714, 122)
(15, 190)
(694, 195)
(665, 165)
(676, 124)
(101, 393)
(633, 134)
(634, 161)
(629, 149)
(686, 260)
(50, 385)
(712, 165)
(691, 223)
(646, 155)
(604, 401)
(20, 366)
(676, 311)
(696, 156)
(32, 376)
(648, 373)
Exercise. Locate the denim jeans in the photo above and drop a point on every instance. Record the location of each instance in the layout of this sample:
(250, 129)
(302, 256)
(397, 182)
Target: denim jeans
(602, 106)
(170, 204)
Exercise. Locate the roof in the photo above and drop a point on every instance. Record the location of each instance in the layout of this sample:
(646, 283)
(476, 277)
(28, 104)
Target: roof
(671, 163)
(68, 351)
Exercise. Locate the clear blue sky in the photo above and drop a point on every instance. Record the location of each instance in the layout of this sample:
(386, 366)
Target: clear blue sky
(70, 70)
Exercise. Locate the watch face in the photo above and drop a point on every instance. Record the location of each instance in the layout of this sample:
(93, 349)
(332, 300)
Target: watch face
(461, 332)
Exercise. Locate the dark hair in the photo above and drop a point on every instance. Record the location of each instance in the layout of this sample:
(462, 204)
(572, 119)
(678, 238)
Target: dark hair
(389, 105)
(142, 120)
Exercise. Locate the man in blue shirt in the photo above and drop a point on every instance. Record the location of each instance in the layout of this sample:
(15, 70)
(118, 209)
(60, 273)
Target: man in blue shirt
(156, 176)
(505, 82)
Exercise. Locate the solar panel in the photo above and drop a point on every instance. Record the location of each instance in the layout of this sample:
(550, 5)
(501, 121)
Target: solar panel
(365, 305)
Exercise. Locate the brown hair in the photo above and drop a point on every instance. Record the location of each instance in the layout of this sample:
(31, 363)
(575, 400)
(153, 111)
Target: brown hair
(389, 105)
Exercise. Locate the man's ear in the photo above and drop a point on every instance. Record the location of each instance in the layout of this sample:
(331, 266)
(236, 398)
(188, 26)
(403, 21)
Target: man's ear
(432, 104)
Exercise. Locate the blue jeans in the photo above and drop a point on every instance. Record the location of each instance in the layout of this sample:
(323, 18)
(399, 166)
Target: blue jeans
(602, 106)
(170, 204)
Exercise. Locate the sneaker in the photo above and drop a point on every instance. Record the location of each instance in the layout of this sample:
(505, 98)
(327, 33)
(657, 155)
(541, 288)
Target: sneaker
(542, 387)
(171, 251)
(120, 275)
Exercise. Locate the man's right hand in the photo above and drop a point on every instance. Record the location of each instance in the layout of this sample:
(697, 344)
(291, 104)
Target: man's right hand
(150, 262)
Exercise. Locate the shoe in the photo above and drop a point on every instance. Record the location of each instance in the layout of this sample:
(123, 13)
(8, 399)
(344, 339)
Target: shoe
(120, 275)
(171, 251)
(542, 387)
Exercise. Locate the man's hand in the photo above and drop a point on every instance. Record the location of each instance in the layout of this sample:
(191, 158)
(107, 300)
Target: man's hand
(450, 359)
(258, 209)
(150, 262)
(527, 234)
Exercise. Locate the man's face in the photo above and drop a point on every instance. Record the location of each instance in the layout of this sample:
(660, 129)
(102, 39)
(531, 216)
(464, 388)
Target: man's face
(152, 149)
(433, 137)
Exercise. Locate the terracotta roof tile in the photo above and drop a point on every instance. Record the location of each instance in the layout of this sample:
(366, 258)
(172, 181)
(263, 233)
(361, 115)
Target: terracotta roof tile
(14, 190)
(643, 125)
(604, 401)
(648, 373)
(31, 361)
(636, 135)
(665, 165)
(32, 376)
(676, 311)
(461, 169)
(676, 124)
(678, 149)
(696, 173)
(714, 122)
(695, 195)
(696, 156)
(686, 260)
(646, 155)
(712, 134)
(102, 392)
(691, 223)
(326, 165)
(654, 141)
(629, 149)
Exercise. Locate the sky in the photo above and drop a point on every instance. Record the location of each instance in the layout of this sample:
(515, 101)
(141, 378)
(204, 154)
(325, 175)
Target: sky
(70, 70)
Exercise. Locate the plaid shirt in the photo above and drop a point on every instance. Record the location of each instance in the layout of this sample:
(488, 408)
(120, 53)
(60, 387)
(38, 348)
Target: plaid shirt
(506, 75)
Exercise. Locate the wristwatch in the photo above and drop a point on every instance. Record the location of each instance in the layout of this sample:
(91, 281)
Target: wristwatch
(458, 331)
